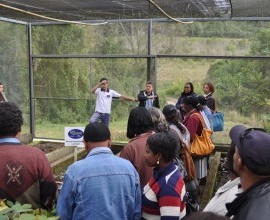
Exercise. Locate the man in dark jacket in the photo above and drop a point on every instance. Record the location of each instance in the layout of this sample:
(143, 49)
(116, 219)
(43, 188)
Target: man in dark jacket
(147, 97)
(252, 163)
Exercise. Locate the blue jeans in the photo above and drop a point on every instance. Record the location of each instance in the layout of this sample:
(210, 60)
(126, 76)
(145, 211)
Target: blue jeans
(98, 116)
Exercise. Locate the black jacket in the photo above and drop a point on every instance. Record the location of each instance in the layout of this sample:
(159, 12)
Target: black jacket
(211, 102)
(253, 204)
(3, 97)
(142, 97)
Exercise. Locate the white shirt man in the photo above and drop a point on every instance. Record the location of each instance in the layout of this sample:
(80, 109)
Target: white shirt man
(104, 101)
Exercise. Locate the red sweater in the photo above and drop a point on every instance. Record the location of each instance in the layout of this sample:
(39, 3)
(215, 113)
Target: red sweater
(134, 151)
(193, 124)
(26, 176)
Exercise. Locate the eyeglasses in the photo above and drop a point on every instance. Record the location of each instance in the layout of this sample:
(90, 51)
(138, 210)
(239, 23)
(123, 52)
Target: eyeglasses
(243, 136)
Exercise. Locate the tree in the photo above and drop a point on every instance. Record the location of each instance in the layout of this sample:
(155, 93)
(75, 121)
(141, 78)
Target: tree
(60, 78)
(245, 84)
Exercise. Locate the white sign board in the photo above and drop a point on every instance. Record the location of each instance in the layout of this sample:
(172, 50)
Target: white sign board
(74, 136)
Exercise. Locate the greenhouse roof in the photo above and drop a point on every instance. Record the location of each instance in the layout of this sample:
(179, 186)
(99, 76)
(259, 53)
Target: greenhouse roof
(88, 10)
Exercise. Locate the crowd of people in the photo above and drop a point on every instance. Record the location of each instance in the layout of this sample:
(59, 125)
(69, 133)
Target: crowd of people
(155, 174)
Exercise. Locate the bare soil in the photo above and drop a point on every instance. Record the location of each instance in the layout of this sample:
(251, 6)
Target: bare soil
(48, 147)
(222, 173)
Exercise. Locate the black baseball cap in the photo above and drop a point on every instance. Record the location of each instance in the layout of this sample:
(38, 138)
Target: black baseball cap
(96, 132)
(254, 148)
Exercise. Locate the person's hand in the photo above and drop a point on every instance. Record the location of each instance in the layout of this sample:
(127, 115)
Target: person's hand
(151, 96)
(103, 82)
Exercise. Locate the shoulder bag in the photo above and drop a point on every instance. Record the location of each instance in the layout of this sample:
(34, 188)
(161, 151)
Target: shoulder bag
(218, 121)
(202, 145)
(192, 205)
(187, 159)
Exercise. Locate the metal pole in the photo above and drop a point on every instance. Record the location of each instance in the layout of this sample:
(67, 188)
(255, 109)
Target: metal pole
(31, 82)
(155, 72)
(75, 153)
(149, 50)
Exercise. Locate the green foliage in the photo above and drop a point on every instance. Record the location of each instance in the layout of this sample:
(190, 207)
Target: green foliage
(14, 62)
(60, 79)
(20, 211)
(261, 43)
(266, 121)
(226, 29)
(174, 89)
(243, 85)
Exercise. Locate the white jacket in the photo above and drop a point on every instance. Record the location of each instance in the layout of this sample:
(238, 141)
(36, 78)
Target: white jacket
(225, 194)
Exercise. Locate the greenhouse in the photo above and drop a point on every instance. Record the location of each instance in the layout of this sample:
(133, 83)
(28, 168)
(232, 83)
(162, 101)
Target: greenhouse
(55, 55)
(54, 52)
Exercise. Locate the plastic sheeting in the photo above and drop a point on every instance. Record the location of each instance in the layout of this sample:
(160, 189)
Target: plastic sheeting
(81, 10)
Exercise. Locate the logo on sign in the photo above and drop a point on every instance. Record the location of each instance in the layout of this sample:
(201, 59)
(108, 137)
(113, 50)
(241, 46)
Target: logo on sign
(75, 134)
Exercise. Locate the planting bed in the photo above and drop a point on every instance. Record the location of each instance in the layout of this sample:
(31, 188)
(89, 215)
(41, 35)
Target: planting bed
(48, 147)
(60, 157)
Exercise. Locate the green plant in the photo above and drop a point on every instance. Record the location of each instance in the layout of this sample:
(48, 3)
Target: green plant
(18, 211)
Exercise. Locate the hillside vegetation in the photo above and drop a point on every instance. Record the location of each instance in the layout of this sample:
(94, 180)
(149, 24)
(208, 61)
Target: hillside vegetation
(61, 86)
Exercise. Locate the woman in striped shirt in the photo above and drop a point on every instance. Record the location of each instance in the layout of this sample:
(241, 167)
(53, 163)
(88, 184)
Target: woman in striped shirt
(163, 195)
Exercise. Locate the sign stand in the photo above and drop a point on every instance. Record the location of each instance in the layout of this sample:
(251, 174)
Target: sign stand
(74, 137)
(75, 153)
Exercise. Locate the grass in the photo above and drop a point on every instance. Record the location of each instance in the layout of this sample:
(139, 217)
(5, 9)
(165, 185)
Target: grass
(180, 70)
(118, 128)
(56, 131)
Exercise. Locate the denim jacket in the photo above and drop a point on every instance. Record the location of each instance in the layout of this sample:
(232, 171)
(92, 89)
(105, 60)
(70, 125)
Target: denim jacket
(101, 186)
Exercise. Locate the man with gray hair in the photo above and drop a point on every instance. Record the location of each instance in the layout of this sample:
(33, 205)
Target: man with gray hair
(251, 162)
